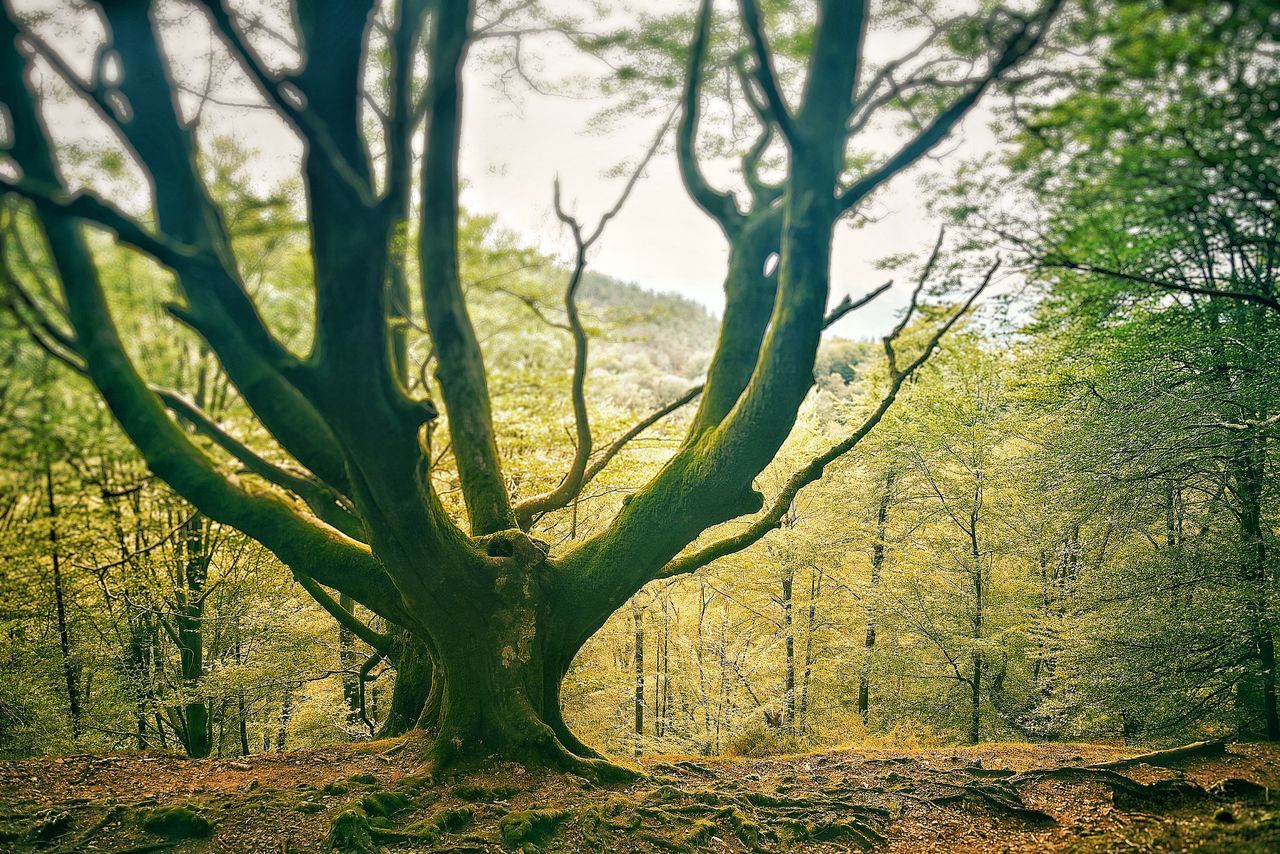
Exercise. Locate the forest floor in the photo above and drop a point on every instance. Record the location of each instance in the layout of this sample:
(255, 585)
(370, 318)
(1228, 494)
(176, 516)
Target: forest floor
(994, 797)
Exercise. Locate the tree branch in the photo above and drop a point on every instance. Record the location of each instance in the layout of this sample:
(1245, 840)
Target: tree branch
(382, 643)
(460, 372)
(771, 519)
(1027, 37)
(719, 205)
(572, 482)
(777, 110)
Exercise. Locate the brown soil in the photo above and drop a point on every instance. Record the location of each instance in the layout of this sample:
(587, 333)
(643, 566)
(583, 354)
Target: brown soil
(999, 797)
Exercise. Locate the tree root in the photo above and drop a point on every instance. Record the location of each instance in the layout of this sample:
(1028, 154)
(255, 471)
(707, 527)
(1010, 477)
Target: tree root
(1124, 790)
(996, 794)
(1167, 758)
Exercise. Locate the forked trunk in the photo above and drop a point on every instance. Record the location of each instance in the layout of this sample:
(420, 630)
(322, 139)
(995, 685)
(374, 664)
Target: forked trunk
(496, 677)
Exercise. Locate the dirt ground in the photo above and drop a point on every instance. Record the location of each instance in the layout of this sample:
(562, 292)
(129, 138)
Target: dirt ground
(997, 797)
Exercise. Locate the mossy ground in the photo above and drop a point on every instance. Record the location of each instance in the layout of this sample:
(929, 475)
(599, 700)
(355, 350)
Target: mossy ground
(992, 797)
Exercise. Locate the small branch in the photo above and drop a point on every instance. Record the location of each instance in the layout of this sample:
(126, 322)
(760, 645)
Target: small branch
(778, 112)
(380, 642)
(1242, 296)
(89, 206)
(848, 305)
(1025, 40)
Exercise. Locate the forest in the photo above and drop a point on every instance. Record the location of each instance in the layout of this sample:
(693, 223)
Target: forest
(340, 510)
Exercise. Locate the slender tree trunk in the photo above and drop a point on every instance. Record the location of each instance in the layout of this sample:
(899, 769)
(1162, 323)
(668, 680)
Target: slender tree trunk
(197, 735)
(979, 605)
(637, 661)
(286, 714)
(1249, 485)
(70, 673)
(877, 571)
(789, 640)
(662, 685)
(241, 711)
(815, 588)
(349, 658)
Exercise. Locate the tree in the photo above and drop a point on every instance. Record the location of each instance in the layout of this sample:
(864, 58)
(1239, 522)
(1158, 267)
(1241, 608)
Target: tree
(501, 615)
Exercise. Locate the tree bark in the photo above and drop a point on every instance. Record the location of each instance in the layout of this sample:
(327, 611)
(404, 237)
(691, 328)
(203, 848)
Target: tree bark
(197, 736)
(637, 660)
(1250, 478)
(789, 639)
(415, 671)
(877, 569)
(69, 671)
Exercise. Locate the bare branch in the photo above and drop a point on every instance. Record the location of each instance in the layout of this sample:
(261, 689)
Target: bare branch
(571, 484)
(719, 205)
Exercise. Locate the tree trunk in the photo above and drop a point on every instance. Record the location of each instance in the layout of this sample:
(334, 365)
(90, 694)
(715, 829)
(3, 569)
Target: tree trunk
(349, 659)
(197, 735)
(286, 713)
(1250, 478)
(877, 569)
(637, 617)
(414, 680)
(789, 640)
(815, 589)
(69, 670)
(979, 606)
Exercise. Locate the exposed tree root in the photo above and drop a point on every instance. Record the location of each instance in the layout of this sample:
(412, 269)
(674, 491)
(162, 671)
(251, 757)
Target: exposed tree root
(1169, 757)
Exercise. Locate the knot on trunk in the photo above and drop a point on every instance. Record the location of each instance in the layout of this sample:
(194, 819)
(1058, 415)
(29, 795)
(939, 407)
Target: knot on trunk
(516, 545)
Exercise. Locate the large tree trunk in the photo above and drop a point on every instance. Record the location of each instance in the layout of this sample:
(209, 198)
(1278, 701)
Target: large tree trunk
(500, 659)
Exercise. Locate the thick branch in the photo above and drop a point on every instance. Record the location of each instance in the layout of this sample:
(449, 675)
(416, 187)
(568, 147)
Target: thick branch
(267, 517)
(1023, 42)
(460, 371)
(771, 519)
(719, 205)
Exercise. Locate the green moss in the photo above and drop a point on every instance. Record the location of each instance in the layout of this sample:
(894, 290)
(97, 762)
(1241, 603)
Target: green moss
(336, 787)
(447, 820)
(746, 829)
(700, 831)
(350, 834)
(384, 803)
(468, 792)
(309, 807)
(364, 778)
(176, 823)
(523, 826)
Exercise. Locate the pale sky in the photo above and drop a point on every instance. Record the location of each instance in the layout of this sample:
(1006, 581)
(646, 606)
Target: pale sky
(512, 150)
